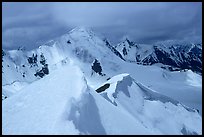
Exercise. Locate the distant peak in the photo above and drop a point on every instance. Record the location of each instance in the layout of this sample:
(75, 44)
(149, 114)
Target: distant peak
(81, 29)
(127, 40)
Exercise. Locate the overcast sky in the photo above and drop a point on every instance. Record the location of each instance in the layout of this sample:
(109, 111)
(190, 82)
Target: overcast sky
(31, 24)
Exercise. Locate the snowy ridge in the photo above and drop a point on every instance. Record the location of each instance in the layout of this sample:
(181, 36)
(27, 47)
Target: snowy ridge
(43, 117)
(78, 112)
(83, 112)
(80, 44)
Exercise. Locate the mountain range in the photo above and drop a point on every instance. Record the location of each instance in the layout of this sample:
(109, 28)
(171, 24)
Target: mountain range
(175, 56)
(80, 83)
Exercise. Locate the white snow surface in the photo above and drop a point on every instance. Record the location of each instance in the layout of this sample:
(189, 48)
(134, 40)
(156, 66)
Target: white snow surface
(38, 108)
(156, 112)
(70, 107)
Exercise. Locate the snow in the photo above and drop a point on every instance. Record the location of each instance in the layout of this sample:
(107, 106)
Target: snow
(194, 79)
(65, 101)
(113, 85)
(68, 107)
(156, 112)
(42, 104)
(173, 84)
(10, 89)
(118, 121)
(72, 107)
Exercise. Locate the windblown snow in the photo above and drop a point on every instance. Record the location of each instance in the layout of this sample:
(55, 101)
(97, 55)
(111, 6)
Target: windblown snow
(58, 89)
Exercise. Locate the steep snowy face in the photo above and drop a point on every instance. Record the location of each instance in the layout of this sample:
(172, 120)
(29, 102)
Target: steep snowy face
(155, 111)
(176, 56)
(20, 68)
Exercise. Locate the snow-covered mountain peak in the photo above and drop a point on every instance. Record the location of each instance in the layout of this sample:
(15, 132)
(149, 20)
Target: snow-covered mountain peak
(126, 42)
(80, 28)
(80, 45)
(178, 54)
(81, 31)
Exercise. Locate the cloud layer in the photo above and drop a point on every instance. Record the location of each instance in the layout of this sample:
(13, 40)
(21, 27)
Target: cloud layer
(31, 24)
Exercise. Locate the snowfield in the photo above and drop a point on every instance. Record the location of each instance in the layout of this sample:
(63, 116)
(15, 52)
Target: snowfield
(116, 97)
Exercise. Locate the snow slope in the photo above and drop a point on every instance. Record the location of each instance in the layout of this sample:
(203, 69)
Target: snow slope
(185, 87)
(72, 107)
(156, 112)
(42, 103)
(69, 107)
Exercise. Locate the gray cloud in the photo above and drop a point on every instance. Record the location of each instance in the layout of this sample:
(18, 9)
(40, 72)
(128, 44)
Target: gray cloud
(31, 24)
